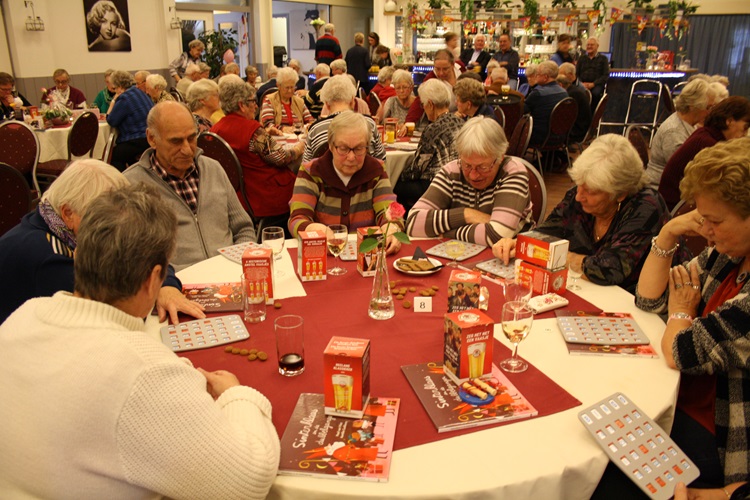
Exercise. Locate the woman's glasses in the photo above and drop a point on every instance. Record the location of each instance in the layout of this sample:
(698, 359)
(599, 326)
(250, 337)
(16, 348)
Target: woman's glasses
(482, 169)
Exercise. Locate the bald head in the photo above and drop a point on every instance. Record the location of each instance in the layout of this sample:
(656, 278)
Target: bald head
(171, 131)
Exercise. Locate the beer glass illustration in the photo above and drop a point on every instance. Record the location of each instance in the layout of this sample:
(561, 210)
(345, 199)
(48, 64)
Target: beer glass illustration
(476, 359)
(342, 391)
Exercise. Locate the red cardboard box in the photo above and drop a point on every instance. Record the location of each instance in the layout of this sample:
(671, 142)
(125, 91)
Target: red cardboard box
(257, 266)
(311, 256)
(346, 372)
(366, 261)
(467, 351)
(542, 250)
(543, 280)
(463, 290)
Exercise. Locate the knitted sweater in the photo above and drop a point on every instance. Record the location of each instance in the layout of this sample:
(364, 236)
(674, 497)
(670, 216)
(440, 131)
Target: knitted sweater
(98, 409)
(129, 114)
(719, 343)
(220, 222)
(272, 111)
(436, 148)
(318, 135)
(440, 211)
(320, 195)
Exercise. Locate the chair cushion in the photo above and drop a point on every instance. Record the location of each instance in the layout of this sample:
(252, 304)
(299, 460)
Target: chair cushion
(51, 168)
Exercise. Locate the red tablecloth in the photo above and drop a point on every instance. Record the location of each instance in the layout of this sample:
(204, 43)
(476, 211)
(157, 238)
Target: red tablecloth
(338, 306)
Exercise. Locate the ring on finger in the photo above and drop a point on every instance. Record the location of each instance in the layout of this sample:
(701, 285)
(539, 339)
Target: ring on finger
(696, 287)
(688, 283)
(677, 286)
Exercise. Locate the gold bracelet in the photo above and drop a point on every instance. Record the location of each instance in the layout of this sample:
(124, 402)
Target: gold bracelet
(660, 252)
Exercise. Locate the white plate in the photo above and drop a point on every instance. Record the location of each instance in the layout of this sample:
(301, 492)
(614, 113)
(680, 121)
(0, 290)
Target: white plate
(434, 262)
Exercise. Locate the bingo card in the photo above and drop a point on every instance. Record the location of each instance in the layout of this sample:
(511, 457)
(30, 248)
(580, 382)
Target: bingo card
(203, 333)
(605, 328)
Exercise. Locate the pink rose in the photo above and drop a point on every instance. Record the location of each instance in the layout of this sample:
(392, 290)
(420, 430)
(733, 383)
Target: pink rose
(395, 212)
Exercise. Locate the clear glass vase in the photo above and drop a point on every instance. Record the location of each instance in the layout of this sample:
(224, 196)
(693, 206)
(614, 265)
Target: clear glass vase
(381, 301)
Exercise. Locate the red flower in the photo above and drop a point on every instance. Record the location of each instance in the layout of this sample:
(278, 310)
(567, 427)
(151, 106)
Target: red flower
(395, 212)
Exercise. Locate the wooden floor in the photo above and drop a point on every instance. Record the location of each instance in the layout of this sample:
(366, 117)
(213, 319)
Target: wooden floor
(557, 184)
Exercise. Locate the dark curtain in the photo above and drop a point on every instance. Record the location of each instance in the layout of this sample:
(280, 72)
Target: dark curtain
(714, 45)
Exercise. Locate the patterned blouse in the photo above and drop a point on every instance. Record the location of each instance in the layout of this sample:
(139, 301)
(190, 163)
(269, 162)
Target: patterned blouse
(436, 148)
(203, 124)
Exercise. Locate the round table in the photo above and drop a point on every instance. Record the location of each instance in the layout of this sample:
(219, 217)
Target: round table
(53, 142)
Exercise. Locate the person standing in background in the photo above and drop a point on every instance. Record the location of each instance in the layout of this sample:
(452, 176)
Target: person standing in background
(327, 48)
(358, 61)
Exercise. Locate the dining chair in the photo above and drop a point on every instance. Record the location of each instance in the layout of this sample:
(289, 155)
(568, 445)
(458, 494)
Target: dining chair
(677, 89)
(374, 102)
(500, 115)
(176, 94)
(696, 244)
(267, 92)
(537, 192)
(513, 113)
(19, 148)
(362, 93)
(561, 121)
(519, 140)
(109, 147)
(635, 134)
(15, 197)
(81, 141)
(593, 131)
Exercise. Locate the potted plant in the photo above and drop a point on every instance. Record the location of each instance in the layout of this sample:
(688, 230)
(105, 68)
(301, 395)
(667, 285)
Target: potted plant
(531, 11)
(640, 7)
(217, 43)
(467, 9)
(437, 9)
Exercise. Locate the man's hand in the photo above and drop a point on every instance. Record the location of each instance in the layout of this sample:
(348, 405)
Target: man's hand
(505, 249)
(171, 301)
(219, 381)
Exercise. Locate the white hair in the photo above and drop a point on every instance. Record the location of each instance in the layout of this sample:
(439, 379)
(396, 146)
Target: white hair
(80, 183)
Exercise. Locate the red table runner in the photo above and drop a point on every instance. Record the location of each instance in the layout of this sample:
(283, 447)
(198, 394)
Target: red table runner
(338, 306)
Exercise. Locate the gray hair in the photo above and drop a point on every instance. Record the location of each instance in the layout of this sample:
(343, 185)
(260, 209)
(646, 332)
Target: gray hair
(435, 91)
(531, 70)
(192, 69)
(233, 90)
(154, 116)
(700, 76)
(322, 69)
(548, 68)
(141, 74)
(328, 28)
(481, 136)
(500, 75)
(200, 90)
(132, 227)
(121, 79)
(569, 70)
(80, 183)
(385, 74)
(719, 90)
(694, 95)
(156, 82)
(338, 64)
(204, 67)
(348, 121)
(196, 43)
(470, 90)
(286, 75)
(492, 65)
(611, 165)
(232, 68)
(272, 71)
(108, 72)
(400, 76)
(337, 89)
(720, 79)
(294, 62)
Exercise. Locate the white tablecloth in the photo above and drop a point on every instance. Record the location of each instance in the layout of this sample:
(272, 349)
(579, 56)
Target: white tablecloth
(53, 142)
(395, 162)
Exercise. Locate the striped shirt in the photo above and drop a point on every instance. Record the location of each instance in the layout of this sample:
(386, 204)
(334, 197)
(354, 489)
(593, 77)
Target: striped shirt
(440, 211)
(318, 134)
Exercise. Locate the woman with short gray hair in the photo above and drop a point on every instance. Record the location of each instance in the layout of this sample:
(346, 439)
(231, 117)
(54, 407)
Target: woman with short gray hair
(609, 216)
(398, 106)
(275, 109)
(156, 87)
(203, 100)
(470, 99)
(192, 55)
(338, 67)
(127, 112)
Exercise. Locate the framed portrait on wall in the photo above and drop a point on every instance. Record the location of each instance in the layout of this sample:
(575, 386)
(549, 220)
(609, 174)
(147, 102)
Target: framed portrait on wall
(303, 34)
(107, 24)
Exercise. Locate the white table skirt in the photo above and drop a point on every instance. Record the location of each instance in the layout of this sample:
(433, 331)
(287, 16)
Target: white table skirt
(53, 142)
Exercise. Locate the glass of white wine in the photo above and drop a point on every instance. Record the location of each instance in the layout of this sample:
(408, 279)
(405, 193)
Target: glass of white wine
(454, 249)
(273, 237)
(517, 291)
(516, 320)
(337, 236)
(573, 275)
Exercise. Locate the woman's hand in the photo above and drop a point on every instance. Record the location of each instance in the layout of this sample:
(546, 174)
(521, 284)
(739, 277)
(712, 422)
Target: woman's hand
(505, 249)
(401, 131)
(688, 224)
(219, 381)
(272, 130)
(684, 290)
(392, 245)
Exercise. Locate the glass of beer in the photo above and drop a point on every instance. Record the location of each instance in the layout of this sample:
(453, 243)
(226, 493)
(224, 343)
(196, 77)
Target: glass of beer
(476, 359)
(505, 89)
(516, 320)
(343, 385)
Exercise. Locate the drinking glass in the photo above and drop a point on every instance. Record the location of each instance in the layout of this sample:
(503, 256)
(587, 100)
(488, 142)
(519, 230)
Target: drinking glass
(337, 236)
(573, 275)
(297, 129)
(290, 344)
(517, 291)
(505, 90)
(516, 320)
(454, 249)
(273, 237)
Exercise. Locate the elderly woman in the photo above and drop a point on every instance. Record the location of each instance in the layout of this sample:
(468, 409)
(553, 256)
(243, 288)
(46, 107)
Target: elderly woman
(338, 94)
(36, 256)
(358, 105)
(492, 65)
(436, 146)
(383, 88)
(338, 67)
(708, 303)
(63, 93)
(192, 75)
(191, 56)
(691, 108)
(203, 101)
(452, 43)
(481, 197)
(609, 217)
(128, 112)
(156, 88)
(470, 99)
(382, 56)
(297, 66)
(345, 185)
(398, 106)
(265, 163)
(281, 111)
(727, 120)
(104, 97)
(251, 75)
(105, 23)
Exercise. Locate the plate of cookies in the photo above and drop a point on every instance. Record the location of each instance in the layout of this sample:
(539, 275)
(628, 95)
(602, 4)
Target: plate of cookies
(417, 267)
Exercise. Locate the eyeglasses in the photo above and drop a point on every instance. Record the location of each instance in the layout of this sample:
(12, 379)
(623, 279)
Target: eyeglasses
(6, 89)
(61, 82)
(402, 87)
(345, 150)
(482, 169)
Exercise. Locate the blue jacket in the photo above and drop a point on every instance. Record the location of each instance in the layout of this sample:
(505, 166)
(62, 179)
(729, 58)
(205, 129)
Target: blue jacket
(540, 102)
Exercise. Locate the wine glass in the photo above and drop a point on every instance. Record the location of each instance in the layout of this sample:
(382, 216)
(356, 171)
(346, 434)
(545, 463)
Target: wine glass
(505, 90)
(573, 275)
(454, 249)
(297, 129)
(517, 291)
(516, 320)
(273, 237)
(337, 236)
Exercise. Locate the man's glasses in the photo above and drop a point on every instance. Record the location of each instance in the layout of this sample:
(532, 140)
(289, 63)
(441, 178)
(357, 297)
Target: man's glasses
(62, 82)
(482, 169)
(345, 150)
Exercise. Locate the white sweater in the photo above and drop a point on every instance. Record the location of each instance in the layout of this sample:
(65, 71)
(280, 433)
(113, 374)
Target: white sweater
(93, 408)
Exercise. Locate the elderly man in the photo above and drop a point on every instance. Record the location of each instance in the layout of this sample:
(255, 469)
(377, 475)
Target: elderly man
(63, 92)
(271, 83)
(581, 97)
(209, 213)
(593, 70)
(476, 56)
(499, 77)
(327, 48)
(301, 78)
(312, 98)
(358, 61)
(192, 55)
(140, 79)
(444, 70)
(192, 75)
(94, 394)
(545, 94)
(508, 59)
(568, 70)
(562, 55)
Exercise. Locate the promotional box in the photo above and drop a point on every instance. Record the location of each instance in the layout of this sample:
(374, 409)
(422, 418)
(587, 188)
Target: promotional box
(346, 376)
(542, 250)
(257, 266)
(467, 351)
(311, 256)
(542, 280)
(366, 261)
(463, 290)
